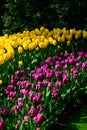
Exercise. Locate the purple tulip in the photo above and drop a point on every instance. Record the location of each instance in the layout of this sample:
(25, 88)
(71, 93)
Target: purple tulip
(62, 63)
(13, 82)
(38, 128)
(31, 95)
(20, 104)
(55, 58)
(84, 66)
(39, 70)
(50, 84)
(59, 83)
(65, 68)
(24, 92)
(1, 124)
(75, 76)
(13, 94)
(18, 122)
(14, 108)
(39, 85)
(22, 71)
(58, 73)
(77, 64)
(49, 75)
(45, 81)
(81, 53)
(72, 69)
(6, 92)
(39, 118)
(85, 54)
(49, 59)
(28, 85)
(17, 72)
(55, 93)
(65, 78)
(39, 108)
(5, 111)
(79, 58)
(20, 99)
(36, 99)
(71, 61)
(57, 66)
(26, 118)
(18, 83)
(10, 87)
(36, 76)
(66, 55)
(39, 95)
(23, 78)
(33, 112)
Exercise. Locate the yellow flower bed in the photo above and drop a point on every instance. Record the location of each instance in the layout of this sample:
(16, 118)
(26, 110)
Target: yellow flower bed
(35, 39)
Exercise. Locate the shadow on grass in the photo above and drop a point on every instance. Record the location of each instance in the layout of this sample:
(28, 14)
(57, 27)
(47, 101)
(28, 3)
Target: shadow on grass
(73, 118)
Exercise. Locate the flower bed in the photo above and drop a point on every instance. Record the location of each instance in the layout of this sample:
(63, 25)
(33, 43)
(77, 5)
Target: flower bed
(40, 72)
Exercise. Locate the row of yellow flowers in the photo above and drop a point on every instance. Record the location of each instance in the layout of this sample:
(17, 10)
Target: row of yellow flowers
(38, 38)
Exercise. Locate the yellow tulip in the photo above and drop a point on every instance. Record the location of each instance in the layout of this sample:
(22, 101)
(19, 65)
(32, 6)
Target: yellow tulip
(20, 49)
(42, 45)
(37, 31)
(37, 48)
(54, 42)
(2, 51)
(1, 81)
(59, 39)
(6, 56)
(69, 37)
(63, 38)
(42, 28)
(59, 47)
(1, 60)
(46, 42)
(84, 34)
(14, 44)
(1, 45)
(42, 38)
(20, 63)
(50, 39)
(68, 43)
(25, 45)
(71, 31)
(77, 36)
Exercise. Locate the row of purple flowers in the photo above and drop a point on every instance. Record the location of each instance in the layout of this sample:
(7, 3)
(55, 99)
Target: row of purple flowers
(29, 93)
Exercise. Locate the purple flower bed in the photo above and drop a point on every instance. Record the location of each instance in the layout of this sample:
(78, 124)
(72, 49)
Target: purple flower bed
(33, 99)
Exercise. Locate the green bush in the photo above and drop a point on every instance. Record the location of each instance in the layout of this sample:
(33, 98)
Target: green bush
(22, 15)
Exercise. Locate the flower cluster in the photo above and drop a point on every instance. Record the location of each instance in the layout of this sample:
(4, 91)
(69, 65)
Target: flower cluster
(38, 38)
(32, 97)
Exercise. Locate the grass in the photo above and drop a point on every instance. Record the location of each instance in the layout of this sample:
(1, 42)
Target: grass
(74, 117)
(78, 121)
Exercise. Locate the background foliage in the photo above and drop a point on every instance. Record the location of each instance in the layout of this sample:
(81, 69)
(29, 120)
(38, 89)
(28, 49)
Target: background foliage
(19, 15)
